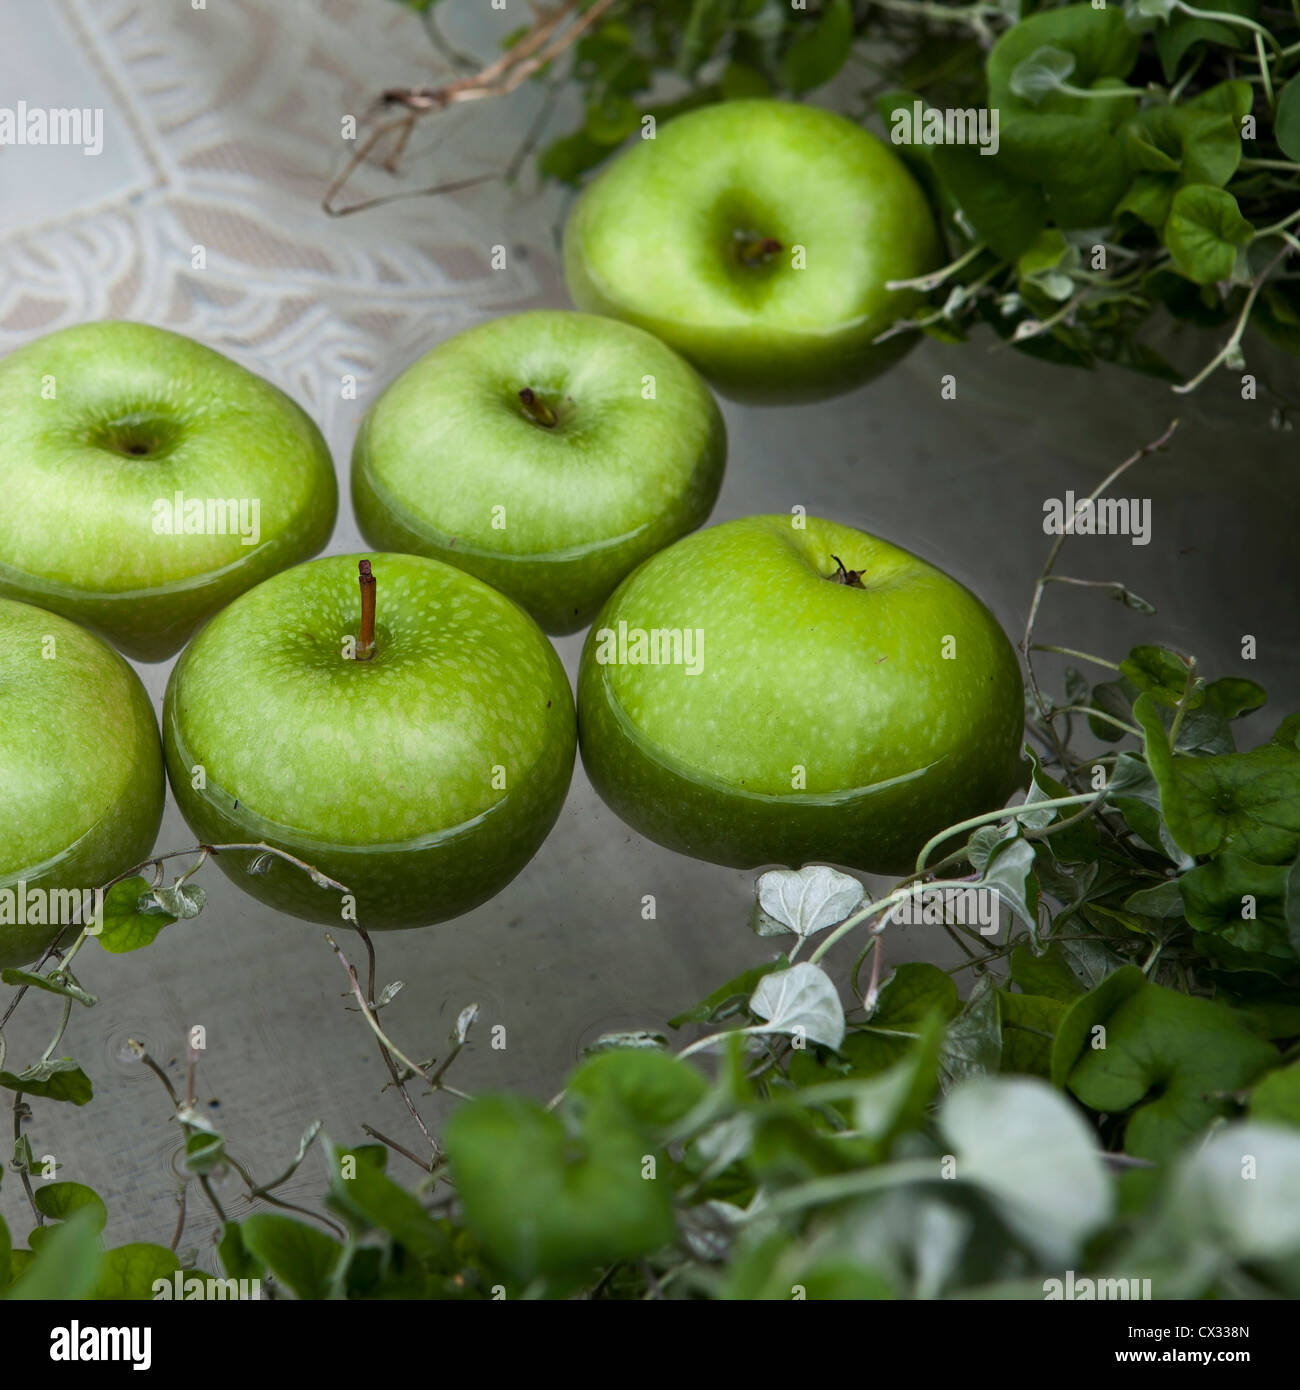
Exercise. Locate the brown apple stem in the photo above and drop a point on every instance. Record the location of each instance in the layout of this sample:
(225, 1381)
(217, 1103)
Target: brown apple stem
(366, 638)
(853, 578)
(758, 250)
(536, 409)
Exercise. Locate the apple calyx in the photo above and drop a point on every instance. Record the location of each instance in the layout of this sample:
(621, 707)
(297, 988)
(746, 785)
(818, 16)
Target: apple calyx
(756, 250)
(366, 637)
(536, 409)
(853, 578)
(142, 434)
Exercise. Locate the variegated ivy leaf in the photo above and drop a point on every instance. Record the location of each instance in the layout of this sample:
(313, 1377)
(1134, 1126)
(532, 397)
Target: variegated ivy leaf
(800, 1001)
(805, 901)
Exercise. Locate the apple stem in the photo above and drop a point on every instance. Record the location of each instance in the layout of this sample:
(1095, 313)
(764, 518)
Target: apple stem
(536, 409)
(853, 578)
(758, 250)
(366, 638)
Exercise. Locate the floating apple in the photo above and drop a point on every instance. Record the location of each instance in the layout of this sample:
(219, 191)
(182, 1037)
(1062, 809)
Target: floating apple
(548, 453)
(786, 689)
(148, 480)
(410, 735)
(81, 775)
(756, 238)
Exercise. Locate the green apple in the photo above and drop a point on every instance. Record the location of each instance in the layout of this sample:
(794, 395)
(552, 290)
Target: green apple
(81, 774)
(786, 689)
(548, 453)
(423, 776)
(757, 238)
(148, 480)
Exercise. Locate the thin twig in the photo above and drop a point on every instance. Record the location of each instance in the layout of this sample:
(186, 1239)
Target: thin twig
(398, 1148)
(388, 1058)
(551, 35)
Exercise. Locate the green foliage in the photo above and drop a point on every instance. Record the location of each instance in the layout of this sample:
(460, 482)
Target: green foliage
(1128, 137)
(1135, 1005)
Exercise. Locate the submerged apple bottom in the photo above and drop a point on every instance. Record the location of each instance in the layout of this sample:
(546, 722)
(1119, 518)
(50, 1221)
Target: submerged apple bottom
(874, 831)
(153, 624)
(416, 883)
(561, 593)
(766, 364)
(120, 840)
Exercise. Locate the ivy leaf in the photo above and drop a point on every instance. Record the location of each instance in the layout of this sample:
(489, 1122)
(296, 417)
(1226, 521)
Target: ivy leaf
(1081, 172)
(203, 1153)
(1162, 674)
(1276, 1099)
(652, 1089)
(129, 1271)
(800, 1001)
(181, 901)
(541, 1201)
(1047, 975)
(1099, 41)
(45, 982)
(1169, 1060)
(1255, 1219)
(1026, 1018)
(913, 993)
(1184, 33)
(973, 1044)
(1193, 144)
(982, 843)
(58, 1201)
(370, 1200)
(808, 900)
(1248, 803)
(58, 1079)
(67, 1265)
(236, 1258)
(1242, 903)
(1005, 210)
(1164, 900)
(1044, 71)
(896, 1100)
(816, 56)
(1286, 119)
(1231, 696)
(302, 1258)
(1026, 1146)
(1010, 873)
(132, 917)
(1204, 231)
(730, 998)
(1116, 699)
